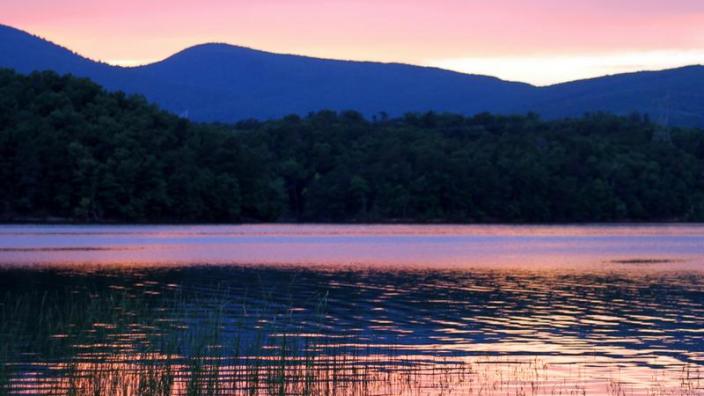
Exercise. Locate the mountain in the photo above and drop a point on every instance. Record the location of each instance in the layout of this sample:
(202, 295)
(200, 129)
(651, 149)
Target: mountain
(219, 82)
(674, 96)
(25, 53)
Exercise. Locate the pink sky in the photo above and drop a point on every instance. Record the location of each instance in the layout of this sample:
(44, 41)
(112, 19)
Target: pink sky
(539, 41)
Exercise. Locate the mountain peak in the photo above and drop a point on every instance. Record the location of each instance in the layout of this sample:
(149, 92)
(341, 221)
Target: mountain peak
(217, 48)
(223, 82)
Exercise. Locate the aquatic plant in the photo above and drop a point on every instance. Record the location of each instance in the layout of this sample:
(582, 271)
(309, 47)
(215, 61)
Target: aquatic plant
(115, 334)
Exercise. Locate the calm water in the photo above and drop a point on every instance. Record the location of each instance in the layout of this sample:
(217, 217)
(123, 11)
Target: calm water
(365, 309)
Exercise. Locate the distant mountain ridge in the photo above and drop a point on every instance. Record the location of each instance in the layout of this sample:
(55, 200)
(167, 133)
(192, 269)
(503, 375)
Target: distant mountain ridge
(220, 82)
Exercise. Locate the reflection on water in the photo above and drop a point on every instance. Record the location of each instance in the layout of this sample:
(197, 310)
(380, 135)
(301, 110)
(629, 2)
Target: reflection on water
(377, 310)
(421, 246)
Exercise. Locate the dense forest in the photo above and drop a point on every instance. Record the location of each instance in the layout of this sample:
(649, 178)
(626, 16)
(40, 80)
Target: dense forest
(70, 151)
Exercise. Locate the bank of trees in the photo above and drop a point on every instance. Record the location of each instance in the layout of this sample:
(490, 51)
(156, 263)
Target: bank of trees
(70, 150)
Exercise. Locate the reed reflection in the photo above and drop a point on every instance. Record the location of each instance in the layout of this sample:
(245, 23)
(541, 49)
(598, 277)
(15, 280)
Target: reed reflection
(229, 329)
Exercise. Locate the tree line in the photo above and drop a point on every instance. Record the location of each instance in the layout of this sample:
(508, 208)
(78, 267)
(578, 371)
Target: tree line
(71, 151)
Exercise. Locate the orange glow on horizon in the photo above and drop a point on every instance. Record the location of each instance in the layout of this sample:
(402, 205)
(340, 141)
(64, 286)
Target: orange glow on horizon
(515, 37)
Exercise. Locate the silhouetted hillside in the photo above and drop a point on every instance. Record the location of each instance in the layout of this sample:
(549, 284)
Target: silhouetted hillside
(71, 150)
(673, 96)
(219, 82)
(227, 83)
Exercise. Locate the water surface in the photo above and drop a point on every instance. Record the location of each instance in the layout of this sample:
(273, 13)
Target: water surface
(390, 309)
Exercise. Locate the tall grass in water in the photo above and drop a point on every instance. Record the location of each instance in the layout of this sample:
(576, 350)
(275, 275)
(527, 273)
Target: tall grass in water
(4, 371)
(115, 340)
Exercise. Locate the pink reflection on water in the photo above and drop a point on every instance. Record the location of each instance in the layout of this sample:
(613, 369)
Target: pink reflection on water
(356, 375)
(650, 246)
(535, 264)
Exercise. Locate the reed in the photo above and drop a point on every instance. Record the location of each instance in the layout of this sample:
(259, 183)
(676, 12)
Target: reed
(115, 341)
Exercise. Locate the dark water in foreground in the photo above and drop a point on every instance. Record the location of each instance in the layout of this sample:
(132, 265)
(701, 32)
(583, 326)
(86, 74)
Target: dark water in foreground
(352, 310)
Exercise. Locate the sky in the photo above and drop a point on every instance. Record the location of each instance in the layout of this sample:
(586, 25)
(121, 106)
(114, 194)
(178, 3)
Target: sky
(536, 41)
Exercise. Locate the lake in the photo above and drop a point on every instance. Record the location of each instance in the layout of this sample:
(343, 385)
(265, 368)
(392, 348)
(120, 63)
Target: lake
(329, 309)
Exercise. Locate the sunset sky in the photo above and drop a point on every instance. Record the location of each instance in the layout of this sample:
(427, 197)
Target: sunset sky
(538, 41)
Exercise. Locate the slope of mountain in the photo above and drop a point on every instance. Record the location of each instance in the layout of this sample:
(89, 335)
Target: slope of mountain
(233, 83)
(674, 96)
(25, 53)
(219, 82)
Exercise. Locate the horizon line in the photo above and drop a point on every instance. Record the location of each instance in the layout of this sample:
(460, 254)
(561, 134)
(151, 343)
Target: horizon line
(134, 64)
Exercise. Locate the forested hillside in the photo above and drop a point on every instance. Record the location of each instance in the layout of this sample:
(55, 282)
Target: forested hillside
(71, 151)
(226, 83)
